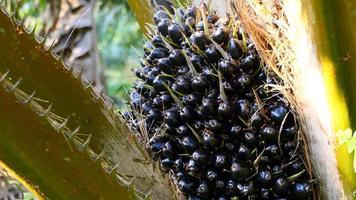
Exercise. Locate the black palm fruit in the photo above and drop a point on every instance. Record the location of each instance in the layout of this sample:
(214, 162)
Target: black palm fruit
(220, 160)
(187, 185)
(156, 144)
(234, 49)
(241, 170)
(278, 113)
(163, 26)
(200, 156)
(246, 189)
(221, 35)
(212, 54)
(226, 68)
(200, 83)
(189, 144)
(264, 177)
(210, 140)
(176, 57)
(175, 32)
(211, 122)
(301, 190)
(200, 40)
(166, 163)
(159, 16)
(281, 186)
(193, 168)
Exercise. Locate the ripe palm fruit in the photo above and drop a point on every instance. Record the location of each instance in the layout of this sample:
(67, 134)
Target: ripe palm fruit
(212, 124)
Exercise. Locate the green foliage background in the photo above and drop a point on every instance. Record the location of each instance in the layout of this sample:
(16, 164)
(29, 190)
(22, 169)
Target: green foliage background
(120, 41)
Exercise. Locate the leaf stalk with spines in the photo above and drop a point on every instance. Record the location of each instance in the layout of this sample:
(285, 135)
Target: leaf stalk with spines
(97, 129)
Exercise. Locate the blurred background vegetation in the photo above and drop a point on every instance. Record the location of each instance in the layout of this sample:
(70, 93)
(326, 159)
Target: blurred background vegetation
(118, 42)
(119, 38)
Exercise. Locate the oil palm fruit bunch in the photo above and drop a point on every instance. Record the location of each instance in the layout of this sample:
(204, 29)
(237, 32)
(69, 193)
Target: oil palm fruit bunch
(209, 120)
(204, 101)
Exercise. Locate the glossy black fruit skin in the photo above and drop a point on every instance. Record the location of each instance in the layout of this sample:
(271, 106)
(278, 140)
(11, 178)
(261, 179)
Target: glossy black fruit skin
(209, 106)
(199, 83)
(226, 109)
(176, 57)
(186, 114)
(250, 138)
(269, 134)
(170, 149)
(158, 53)
(166, 100)
(301, 190)
(156, 144)
(281, 186)
(199, 39)
(171, 117)
(212, 54)
(175, 32)
(240, 170)
(200, 156)
(211, 141)
(221, 160)
(250, 64)
(220, 35)
(226, 68)
(264, 177)
(163, 26)
(189, 144)
(193, 167)
(246, 188)
(235, 132)
(234, 49)
(165, 65)
(203, 190)
(167, 164)
(187, 185)
(278, 113)
(160, 15)
(244, 153)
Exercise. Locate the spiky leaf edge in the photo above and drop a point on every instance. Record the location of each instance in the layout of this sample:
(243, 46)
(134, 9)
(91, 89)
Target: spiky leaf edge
(108, 109)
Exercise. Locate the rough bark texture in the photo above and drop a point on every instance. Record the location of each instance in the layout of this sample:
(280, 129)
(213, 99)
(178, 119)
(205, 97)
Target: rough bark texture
(71, 25)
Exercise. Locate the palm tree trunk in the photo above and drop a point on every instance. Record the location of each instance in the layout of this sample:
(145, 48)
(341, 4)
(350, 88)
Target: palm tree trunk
(71, 24)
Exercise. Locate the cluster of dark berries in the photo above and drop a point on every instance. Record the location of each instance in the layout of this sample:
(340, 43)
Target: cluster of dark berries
(202, 100)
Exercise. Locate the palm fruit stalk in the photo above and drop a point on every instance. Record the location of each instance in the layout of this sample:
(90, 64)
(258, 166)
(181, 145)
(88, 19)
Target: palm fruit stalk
(207, 105)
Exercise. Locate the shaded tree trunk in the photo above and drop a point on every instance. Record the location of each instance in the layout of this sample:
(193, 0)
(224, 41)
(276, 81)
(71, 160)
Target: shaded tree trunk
(71, 25)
